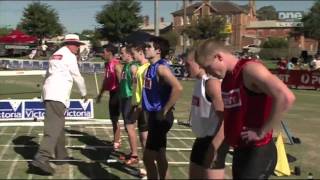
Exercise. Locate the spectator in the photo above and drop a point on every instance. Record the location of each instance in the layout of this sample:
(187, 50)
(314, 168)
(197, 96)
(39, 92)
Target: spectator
(315, 63)
(44, 48)
(282, 63)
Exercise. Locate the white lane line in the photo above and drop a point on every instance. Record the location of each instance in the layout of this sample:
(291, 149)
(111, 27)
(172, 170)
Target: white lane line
(13, 165)
(122, 128)
(173, 138)
(67, 135)
(4, 150)
(68, 122)
(92, 174)
(103, 161)
(91, 147)
(71, 171)
(183, 155)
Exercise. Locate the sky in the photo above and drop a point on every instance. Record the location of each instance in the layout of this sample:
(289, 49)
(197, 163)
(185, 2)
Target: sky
(79, 15)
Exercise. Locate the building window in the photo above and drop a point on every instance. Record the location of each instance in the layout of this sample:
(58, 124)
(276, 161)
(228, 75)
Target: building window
(181, 40)
(228, 19)
(188, 43)
(188, 19)
(181, 20)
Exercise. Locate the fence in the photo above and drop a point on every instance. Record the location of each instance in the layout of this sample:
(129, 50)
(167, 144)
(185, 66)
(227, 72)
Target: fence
(85, 67)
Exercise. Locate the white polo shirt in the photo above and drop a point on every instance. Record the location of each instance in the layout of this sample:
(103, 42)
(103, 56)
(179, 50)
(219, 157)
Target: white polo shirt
(63, 70)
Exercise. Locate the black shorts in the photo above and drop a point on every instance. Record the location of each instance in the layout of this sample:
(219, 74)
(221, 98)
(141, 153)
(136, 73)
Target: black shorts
(126, 110)
(114, 105)
(142, 117)
(254, 162)
(157, 131)
(199, 150)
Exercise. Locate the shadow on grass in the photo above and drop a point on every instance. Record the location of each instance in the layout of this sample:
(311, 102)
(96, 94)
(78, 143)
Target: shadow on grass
(101, 154)
(21, 146)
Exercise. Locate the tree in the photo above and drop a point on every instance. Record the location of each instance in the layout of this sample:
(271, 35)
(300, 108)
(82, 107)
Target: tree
(267, 13)
(40, 20)
(311, 23)
(118, 19)
(207, 27)
(92, 35)
(274, 42)
(172, 37)
(5, 30)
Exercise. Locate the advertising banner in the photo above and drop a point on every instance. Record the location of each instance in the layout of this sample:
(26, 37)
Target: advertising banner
(34, 109)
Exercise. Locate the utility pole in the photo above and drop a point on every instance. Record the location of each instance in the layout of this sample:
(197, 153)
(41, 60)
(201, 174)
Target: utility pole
(156, 17)
(184, 25)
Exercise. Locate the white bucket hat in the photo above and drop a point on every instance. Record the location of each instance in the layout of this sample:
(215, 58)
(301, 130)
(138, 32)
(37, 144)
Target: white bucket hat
(72, 39)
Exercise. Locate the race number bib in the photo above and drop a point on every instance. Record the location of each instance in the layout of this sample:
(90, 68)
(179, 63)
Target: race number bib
(148, 83)
(232, 98)
(195, 101)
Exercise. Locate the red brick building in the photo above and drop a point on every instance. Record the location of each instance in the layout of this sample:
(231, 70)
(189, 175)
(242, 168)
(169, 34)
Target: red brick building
(245, 28)
(237, 16)
(258, 31)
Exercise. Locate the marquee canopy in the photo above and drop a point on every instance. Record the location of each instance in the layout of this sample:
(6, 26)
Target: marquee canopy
(18, 37)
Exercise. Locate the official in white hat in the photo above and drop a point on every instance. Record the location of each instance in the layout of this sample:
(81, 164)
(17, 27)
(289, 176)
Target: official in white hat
(63, 70)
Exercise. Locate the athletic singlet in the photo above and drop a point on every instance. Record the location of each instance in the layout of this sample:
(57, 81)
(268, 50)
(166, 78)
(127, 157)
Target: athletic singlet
(126, 80)
(155, 94)
(111, 83)
(203, 118)
(137, 95)
(243, 107)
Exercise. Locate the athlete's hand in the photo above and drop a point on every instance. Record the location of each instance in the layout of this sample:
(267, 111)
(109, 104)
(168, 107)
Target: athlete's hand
(250, 134)
(98, 98)
(85, 98)
(161, 115)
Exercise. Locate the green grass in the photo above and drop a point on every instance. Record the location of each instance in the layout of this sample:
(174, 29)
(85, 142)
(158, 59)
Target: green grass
(302, 121)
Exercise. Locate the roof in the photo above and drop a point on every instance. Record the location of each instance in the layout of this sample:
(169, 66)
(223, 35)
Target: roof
(220, 6)
(227, 8)
(274, 24)
(151, 26)
(190, 9)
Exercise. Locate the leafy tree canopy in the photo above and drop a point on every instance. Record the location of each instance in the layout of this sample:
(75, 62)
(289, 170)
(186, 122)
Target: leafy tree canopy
(267, 13)
(275, 42)
(40, 20)
(118, 19)
(5, 30)
(207, 27)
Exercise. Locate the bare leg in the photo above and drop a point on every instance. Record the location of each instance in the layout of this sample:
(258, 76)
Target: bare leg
(143, 139)
(214, 174)
(116, 130)
(132, 136)
(196, 171)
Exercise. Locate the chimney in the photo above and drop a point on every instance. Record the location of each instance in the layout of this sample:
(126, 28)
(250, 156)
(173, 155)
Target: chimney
(252, 8)
(162, 20)
(146, 20)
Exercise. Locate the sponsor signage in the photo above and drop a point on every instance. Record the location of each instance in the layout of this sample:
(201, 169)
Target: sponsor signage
(16, 47)
(178, 70)
(290, 15)
(300, 79)
(34, 109)
(11, 109)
